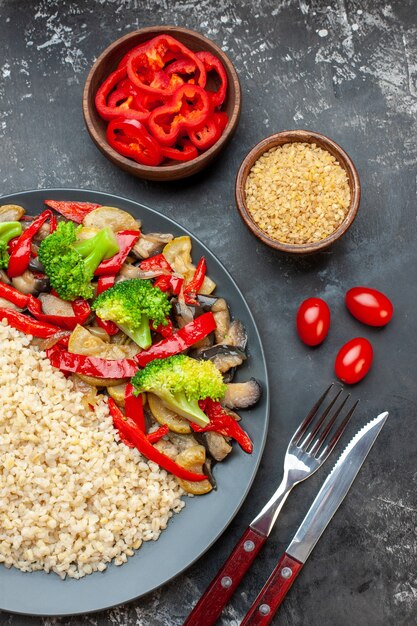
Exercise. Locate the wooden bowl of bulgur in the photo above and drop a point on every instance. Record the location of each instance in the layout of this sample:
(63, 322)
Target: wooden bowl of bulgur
(298, 191)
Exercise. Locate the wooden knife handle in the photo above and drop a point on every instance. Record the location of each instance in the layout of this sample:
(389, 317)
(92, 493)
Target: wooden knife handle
(208, 609)
(273, 592)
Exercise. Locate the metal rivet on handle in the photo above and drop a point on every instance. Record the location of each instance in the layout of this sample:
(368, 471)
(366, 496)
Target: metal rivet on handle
(248, 546)
(226, 582)
(264, 609)
(286, 572)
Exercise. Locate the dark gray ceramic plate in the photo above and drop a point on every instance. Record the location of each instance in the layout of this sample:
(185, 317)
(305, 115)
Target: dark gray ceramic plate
(203, 519)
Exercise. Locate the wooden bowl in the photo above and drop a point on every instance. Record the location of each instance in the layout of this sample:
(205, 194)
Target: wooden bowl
(107, 63)
(304, 136)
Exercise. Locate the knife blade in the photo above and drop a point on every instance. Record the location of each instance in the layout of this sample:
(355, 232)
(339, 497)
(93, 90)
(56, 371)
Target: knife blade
(325, 505)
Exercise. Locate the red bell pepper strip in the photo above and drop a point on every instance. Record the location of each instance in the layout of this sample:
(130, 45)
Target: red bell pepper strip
(146, 62)
(157, 262)
(185, 151)
(134, 407)
(104, 283)
(126, 239)
(165, 331)
(205, 135)
(91, 366)
(180, 341)
(188, 108)
(75, 211)
(213, 64)
(158, 434)
(131, 139)
(182, 66)
(20, 257)
(223, 423)
(109, 113)
(14, 295)
(193, 287)
(80, 307)
(130, 431)
(169, 283)
(28, 325)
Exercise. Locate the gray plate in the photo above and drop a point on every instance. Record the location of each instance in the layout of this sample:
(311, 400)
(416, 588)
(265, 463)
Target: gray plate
(204, 518)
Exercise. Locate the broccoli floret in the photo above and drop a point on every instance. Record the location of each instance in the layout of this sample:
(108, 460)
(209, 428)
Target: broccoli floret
(70, 264)
(8, 230)
(131, 304)
(181, 382)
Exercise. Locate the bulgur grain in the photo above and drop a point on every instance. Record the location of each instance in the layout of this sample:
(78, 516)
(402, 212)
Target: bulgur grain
(72, 499)
(297, 193)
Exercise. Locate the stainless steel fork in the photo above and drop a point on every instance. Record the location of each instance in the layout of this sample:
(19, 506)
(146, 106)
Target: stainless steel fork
(309, 447)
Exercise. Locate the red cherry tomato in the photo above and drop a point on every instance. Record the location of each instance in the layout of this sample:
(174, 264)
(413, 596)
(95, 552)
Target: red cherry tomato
(369, 306)
(313, 321)
(354, 360)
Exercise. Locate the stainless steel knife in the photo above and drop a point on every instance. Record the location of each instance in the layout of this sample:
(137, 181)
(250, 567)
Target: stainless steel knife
(327, 501)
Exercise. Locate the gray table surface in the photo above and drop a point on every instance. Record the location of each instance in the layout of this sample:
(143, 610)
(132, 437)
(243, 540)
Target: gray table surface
(347, 69)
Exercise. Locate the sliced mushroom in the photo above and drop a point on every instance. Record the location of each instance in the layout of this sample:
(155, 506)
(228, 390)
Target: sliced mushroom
(128, 271)
(5, 304)
(206, 302)
(208, 470)
(167, 447)
(151, 244)
(182, 442)
(36, 266)
(110, 216)
(242, 395)
(236, 335)
(42, 233)
(11, 213)
(216, 445)
(29, 283)
(165, 416)
(221, 315)
(51, 305)
(224, 357)
(193, 459)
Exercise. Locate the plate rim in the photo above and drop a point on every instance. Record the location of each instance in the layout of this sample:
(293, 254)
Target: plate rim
(266, 397)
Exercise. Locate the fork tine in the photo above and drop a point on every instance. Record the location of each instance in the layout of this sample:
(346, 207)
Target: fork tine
(325, 431)
(309, 438)
(304, 425)
(331, 444)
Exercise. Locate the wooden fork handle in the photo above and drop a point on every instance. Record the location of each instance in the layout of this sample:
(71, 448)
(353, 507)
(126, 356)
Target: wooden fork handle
(208, 609)
(273, 592)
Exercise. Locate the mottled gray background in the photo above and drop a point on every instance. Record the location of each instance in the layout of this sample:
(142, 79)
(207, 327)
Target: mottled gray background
(348, 69)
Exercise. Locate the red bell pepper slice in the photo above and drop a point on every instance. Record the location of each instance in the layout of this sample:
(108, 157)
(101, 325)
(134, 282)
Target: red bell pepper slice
(221, 118)
(158, 434)
(169, 283)
(89, 365)
(75, 211)
(131, 139)
(213, 64)
(180, 341)
(134, 407)
(126, 239)
(28, 325)
(130, 431)
(20, 256)
(188, 108)
(165, 331)
(223, 423)
(195, 284)
(14, 296)
(157, 262)
(80, 307)
(205, 135)
(104, 283)
(145, 62)
(109, 113)
(185, 150)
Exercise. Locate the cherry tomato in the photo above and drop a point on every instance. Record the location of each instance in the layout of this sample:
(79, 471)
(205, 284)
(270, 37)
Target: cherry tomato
(313, 321)
(354, 360)
(369, 306)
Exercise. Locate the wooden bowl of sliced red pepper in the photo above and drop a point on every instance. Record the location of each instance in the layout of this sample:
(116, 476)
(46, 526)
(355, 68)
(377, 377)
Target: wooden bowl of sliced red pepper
(175, 120)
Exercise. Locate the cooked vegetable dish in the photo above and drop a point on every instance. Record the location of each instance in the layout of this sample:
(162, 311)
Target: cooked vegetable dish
(129, 317)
